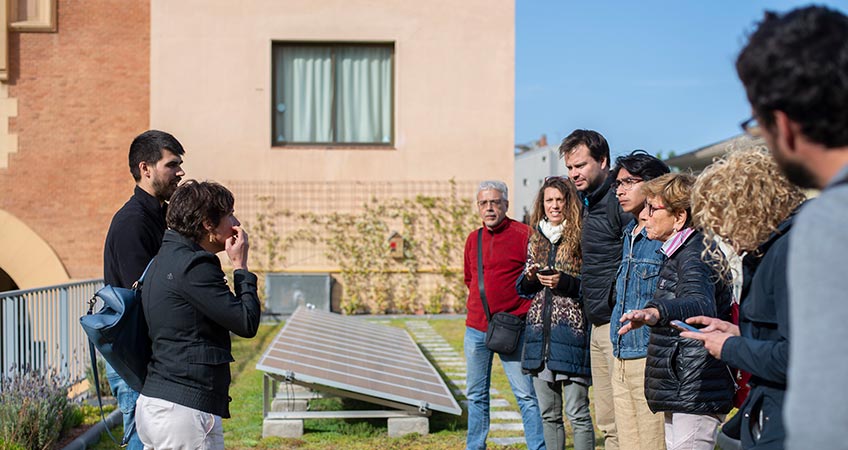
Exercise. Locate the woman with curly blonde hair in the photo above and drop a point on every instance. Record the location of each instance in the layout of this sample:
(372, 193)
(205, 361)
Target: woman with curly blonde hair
(745, 199)
(556, 337)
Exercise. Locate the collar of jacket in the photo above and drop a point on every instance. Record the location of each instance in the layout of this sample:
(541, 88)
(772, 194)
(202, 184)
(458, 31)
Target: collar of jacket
(150, 203)
(499, 227)
(173, 236)
(676, 242)
(595, 196)
(752, 259)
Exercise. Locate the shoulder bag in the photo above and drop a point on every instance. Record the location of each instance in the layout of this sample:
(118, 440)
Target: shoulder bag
(504, 329)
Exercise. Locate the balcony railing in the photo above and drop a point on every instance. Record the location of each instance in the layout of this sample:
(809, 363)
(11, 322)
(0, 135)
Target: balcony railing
(40, 330)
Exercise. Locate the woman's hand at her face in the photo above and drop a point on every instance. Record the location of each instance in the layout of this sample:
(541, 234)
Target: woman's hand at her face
(237, 247)
(637, 318)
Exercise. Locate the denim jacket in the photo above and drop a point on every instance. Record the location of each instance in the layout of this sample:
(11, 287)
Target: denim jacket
(635, 283)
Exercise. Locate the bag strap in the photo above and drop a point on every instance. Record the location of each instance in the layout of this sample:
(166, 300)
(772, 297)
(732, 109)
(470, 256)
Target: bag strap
(95, 374)
(480, 286)
(140, 282)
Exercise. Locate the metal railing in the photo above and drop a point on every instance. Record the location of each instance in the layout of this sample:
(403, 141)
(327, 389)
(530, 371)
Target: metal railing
(40, 329)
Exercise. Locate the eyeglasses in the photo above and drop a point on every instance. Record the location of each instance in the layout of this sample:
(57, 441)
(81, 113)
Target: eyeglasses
(492, 203)
(651, 208)
(625, 183)
(751, 127)
(555, 177)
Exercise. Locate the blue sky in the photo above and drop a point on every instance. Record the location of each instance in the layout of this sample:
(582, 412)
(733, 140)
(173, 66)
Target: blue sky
(651, 74)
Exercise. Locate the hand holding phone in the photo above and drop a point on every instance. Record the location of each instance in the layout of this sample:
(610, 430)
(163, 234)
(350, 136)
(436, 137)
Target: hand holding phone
(683, 326)
(547, 271)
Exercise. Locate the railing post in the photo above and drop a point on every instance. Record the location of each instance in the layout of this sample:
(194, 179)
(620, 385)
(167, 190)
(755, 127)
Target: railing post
(64, 335)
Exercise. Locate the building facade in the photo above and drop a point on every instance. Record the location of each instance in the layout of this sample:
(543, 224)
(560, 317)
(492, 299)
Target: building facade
(318, 106)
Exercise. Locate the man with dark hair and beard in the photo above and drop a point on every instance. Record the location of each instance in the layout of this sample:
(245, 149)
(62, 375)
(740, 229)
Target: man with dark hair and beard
(135, 235)
(795, 72)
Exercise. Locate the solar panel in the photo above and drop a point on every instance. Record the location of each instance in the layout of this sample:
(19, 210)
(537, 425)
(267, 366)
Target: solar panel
(352, 355)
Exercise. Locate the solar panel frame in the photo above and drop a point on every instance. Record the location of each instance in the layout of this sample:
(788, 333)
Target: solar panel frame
(350, 355)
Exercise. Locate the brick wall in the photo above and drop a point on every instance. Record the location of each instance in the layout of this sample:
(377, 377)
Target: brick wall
(83, 94)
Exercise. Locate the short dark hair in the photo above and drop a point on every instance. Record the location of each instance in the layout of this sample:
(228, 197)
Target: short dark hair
(641, 164)
(797, 63)
(594, 141)
(148, 147)
(195, 202)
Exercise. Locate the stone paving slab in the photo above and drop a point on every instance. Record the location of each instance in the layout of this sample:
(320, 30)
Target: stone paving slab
(508, 440)
(508, 426)
(499, 403)
(505, 415)
(492, 392)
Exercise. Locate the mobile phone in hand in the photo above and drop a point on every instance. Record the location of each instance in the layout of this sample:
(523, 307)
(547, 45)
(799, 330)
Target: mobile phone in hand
(547, 271)
(683, 326)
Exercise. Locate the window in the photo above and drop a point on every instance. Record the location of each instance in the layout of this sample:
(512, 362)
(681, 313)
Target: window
(338, 94)
(32, 15)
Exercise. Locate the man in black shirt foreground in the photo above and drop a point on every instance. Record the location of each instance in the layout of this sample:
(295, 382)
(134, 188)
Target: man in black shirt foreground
(135, 235)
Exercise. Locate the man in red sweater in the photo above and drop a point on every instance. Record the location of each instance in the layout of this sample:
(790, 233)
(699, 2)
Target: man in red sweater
(504, 243)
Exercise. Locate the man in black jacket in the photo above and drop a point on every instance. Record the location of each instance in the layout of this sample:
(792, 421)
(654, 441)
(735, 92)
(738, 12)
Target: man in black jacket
(135, 236)
(587, 157)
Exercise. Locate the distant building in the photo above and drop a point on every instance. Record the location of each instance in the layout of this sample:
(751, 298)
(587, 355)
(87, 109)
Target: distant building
(697, 160)
(533, 163)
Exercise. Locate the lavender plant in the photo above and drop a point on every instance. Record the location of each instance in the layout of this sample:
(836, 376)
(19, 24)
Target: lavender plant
(35, 410)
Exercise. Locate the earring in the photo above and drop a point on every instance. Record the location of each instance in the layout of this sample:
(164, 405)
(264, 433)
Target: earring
(211, 238)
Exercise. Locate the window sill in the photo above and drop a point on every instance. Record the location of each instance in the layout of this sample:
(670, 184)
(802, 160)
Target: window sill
(33, 26)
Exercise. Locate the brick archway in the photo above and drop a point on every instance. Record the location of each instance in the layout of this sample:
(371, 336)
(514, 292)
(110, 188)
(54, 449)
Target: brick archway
(26, 257)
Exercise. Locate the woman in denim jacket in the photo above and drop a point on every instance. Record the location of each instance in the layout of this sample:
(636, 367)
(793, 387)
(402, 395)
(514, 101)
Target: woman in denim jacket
(556, 339)
(759, 225)
(638, 428)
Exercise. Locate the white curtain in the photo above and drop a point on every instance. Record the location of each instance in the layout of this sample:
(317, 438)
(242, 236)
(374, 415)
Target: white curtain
(303, 107)
(363, 94)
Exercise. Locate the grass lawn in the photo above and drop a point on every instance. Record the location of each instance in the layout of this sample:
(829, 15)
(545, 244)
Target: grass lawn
(244, 429)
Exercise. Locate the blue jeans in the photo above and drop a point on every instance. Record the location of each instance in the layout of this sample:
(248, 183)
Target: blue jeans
(126, 397)
(478, 359)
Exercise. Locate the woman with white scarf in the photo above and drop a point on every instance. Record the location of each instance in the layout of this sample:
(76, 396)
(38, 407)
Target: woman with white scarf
(556, 343)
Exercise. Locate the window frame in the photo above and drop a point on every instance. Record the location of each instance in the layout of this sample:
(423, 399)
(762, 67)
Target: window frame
(332, 45)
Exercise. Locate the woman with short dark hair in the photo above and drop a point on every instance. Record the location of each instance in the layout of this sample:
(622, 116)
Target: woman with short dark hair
(190, 312)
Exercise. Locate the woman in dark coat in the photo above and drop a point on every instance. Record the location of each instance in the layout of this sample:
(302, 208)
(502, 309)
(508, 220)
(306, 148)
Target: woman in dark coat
(190, 312)
(692, 388)
(556, 337)
(757, 224)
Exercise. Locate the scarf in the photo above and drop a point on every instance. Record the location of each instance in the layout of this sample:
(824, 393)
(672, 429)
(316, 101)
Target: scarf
(552, 232)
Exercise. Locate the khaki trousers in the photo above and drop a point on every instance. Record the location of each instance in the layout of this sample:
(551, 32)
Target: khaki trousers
(600, 349)
(638, 428)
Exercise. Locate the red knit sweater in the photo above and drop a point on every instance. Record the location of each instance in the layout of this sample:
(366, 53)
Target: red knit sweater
(504, 254)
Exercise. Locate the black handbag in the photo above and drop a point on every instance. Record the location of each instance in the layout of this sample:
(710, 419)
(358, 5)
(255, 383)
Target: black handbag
(504, 330)
(118, 330)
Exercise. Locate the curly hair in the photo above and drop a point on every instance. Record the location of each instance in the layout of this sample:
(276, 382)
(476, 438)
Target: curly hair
(572, 212)
(674, 190)
(742, 198)
(196, 202)
(797, 63)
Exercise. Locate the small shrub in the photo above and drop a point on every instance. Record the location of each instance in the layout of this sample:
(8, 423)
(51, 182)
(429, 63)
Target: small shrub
(105, 390)
(34, 410)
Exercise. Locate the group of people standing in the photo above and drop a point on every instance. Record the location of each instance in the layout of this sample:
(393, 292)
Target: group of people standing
(618, 260)
(624, 275)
